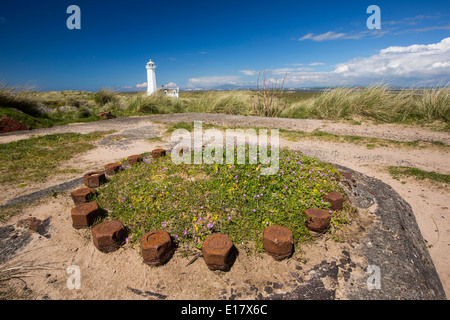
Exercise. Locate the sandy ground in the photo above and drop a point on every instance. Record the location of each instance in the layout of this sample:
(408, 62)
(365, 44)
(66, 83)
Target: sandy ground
(67, 246)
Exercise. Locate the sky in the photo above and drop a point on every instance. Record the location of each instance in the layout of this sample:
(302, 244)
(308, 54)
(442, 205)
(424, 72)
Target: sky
(208, 44)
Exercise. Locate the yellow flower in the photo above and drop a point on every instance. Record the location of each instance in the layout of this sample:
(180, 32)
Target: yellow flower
(257, 168)
(196, 227)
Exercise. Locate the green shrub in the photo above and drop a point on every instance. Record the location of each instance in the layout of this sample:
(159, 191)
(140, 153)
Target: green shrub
(75, 102)
(104, 96)
(19, 99)
(84, 112)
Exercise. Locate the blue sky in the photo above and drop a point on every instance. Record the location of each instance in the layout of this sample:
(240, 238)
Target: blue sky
(211, 43)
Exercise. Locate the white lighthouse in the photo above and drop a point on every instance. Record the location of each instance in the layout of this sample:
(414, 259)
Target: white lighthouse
(151, 77)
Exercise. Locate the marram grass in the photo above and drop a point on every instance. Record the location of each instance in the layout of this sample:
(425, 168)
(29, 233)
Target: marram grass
(375, 103)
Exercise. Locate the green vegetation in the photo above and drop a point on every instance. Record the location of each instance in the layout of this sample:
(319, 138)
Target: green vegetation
(37, 158)
(104, 96)
(19, 100)
(399, 171)
(189, 126)
(191, 201)
(376, 103)
(369, 142)
(41, 110)
(267, 101)
(26, 119)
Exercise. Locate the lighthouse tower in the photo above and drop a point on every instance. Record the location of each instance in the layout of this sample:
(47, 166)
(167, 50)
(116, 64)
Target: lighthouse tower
(151, 77)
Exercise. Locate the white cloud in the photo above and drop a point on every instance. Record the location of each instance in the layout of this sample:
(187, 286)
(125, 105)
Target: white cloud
(414, 65)
(331, 35)
(212, 81)
(170, 84)
(316, 64)
(411, 20)
(446, 27)
(288, 70)
(414, 61)
(278, 71)
(142, 85)
(249, 72)
(395, 27)
(396, 65)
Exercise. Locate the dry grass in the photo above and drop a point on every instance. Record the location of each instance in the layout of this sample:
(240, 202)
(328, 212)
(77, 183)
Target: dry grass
(266, 101)
(376, 103)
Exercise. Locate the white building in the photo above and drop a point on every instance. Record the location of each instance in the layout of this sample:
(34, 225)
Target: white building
(171, 91)
(151, 77)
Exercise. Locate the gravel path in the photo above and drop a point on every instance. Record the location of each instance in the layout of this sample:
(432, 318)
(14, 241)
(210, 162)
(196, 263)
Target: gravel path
(384, 131)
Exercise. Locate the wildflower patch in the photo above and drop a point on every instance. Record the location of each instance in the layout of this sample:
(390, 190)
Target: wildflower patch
(193, 201)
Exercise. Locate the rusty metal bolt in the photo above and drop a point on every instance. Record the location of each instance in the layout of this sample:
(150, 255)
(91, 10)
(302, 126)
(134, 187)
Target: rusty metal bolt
(31, 223)
(94, 179)
(156, 153)
(108, 235)
(336, 200)
(156, 247)
(278, 242)
(112, 168)
(82, 195)
(346, 175)
(317, 220)
(84, 215)
(134, 159)
(218, 252)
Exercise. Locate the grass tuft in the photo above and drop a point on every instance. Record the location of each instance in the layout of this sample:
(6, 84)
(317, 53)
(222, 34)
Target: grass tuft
(401, 171)
(104, 96)
(20, 99)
